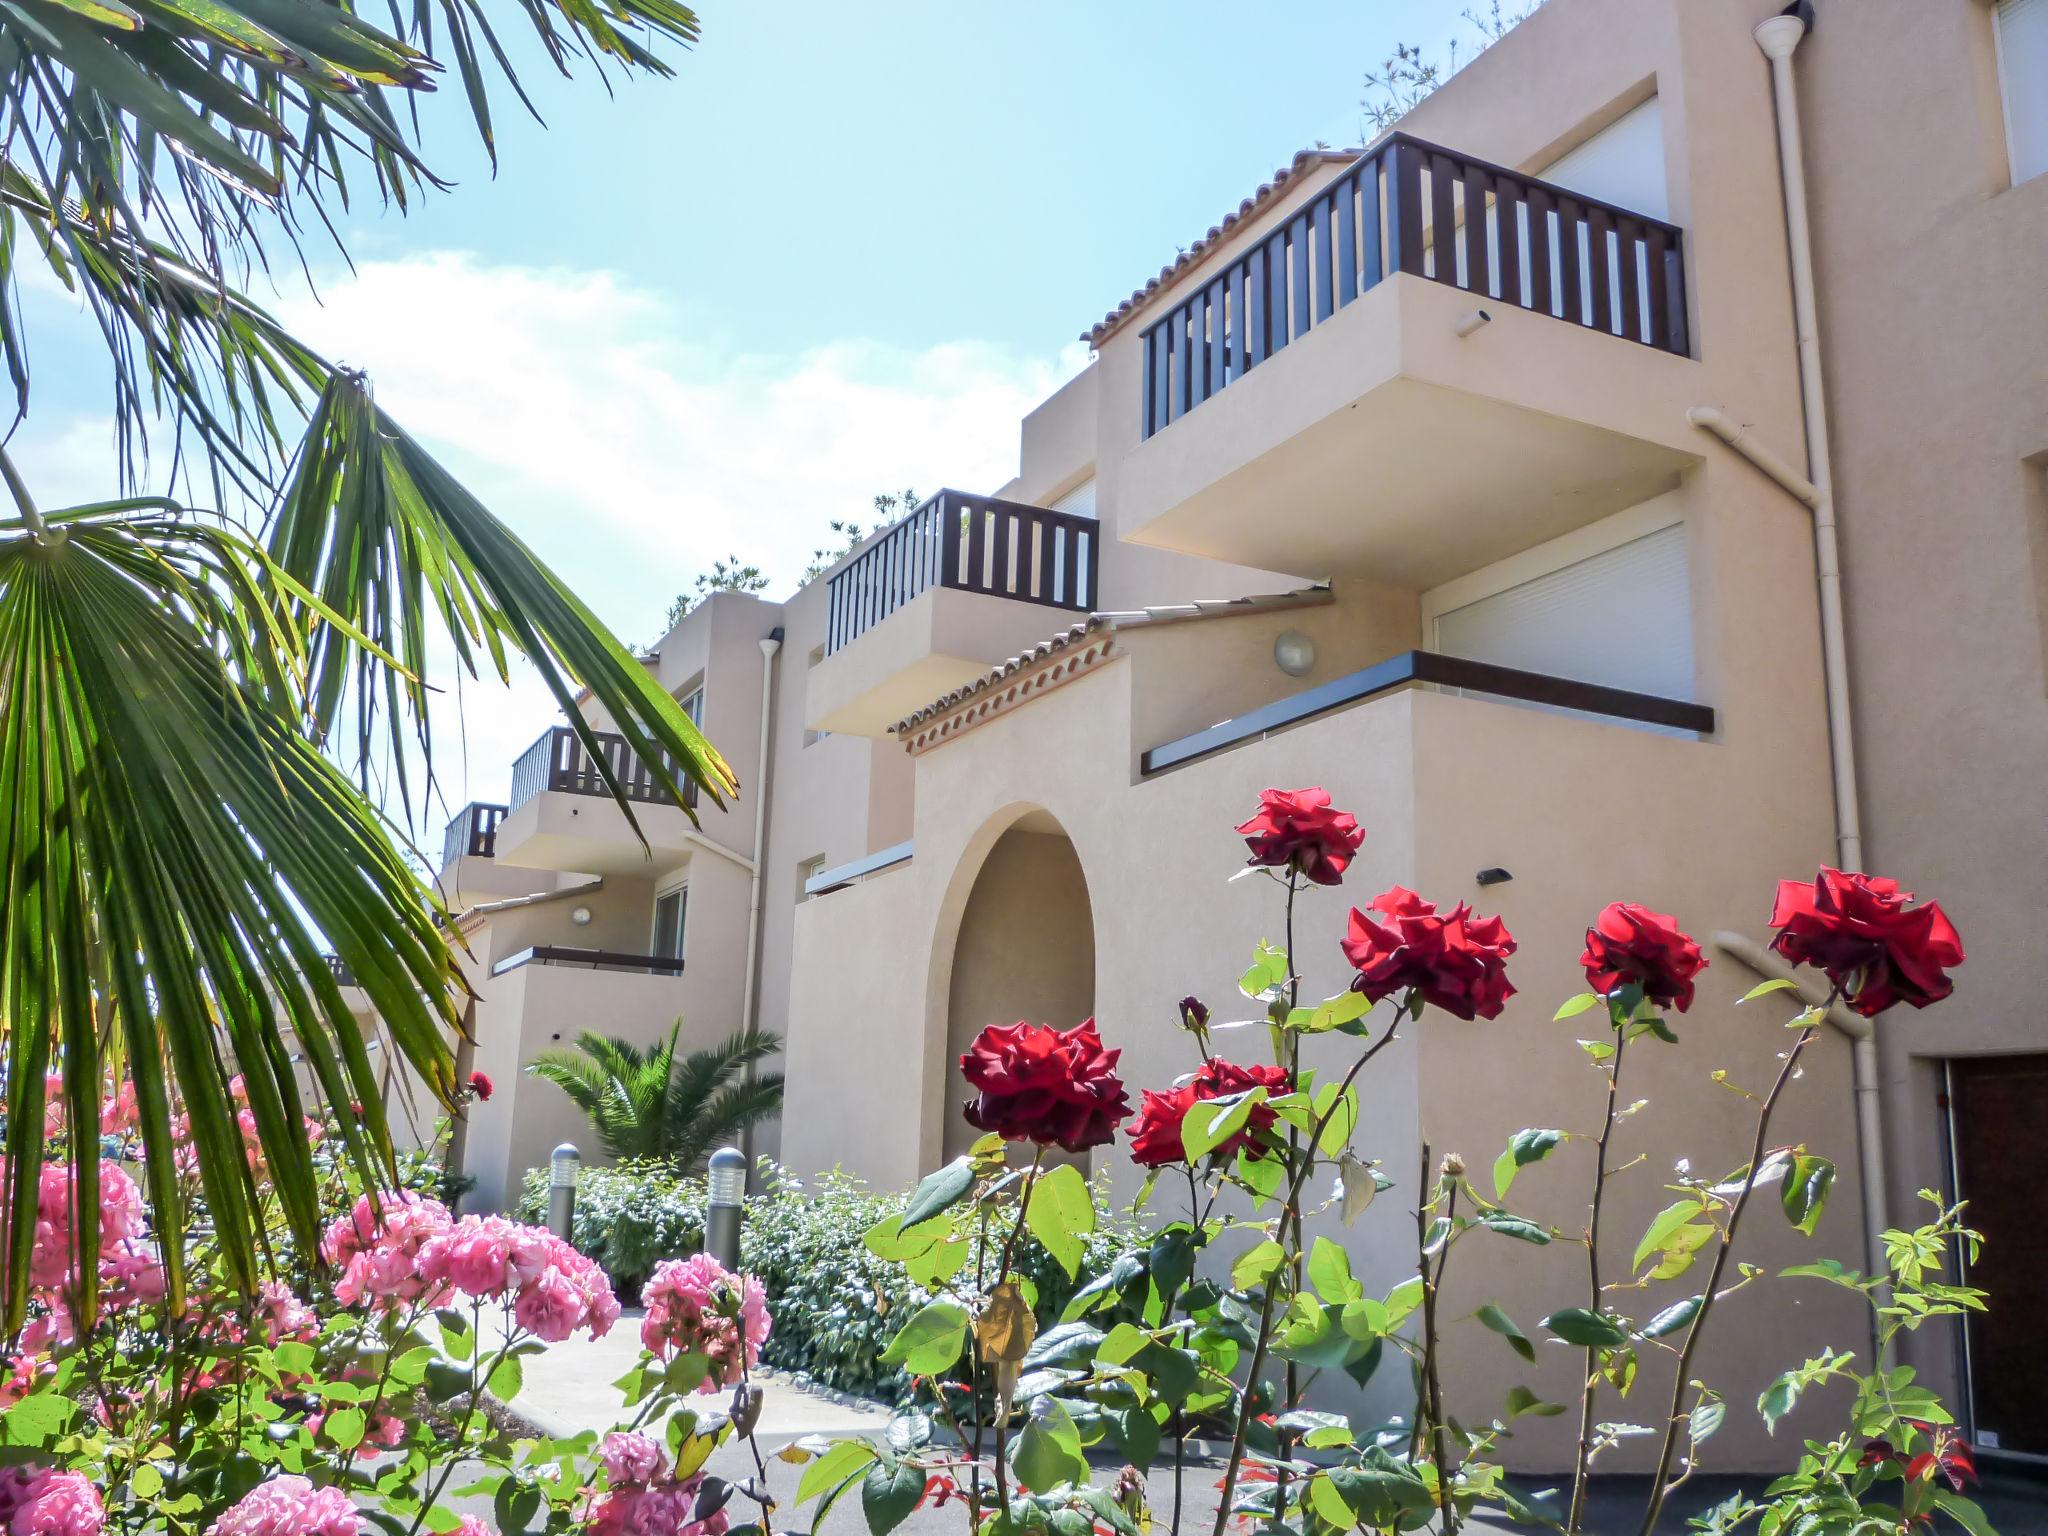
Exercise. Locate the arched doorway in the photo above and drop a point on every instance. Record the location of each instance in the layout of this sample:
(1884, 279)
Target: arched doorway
(1025, 950)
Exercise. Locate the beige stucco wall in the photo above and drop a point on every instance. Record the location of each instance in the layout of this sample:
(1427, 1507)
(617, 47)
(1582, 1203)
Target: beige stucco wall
(1025, 951)
(1931, 280)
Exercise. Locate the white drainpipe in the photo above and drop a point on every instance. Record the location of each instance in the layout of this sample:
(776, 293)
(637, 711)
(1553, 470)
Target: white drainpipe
(1778, 36)
(770, 644)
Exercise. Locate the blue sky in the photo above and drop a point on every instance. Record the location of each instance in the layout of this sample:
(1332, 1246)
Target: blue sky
(842, 251)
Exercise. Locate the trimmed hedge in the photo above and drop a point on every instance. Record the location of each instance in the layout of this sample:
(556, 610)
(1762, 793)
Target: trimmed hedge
(836, 1305)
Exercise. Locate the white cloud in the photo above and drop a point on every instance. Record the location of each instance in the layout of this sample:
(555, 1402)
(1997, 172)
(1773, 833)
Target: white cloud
(627, 452)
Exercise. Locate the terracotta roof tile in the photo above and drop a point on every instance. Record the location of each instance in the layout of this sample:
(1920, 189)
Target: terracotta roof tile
(1306, 161)
(1205, 608)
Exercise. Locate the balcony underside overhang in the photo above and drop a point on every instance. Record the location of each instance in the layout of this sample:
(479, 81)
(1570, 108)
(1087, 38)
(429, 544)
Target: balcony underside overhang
(940, 640)
(1384, 445)
(558, 830)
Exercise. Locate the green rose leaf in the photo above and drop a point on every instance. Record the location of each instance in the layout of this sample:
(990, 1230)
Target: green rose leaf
(1574, 1006)
(838, 1464)
(1674, 1317)
(1212, 1122)
(930, 1342)
(1493, 1317)
(1588, 1330)
(1061, 1214)
(1522, 1401)
(1664, 1227)
(939, 1191)
(888, 1494)
(1049, 1451)
(1329, 1271)
(345, 1427)
(1805, 1194)
(1524, 1148)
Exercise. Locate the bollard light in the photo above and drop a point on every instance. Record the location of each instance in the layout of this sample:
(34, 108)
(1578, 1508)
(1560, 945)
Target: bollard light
(563, 1167)
(727, 1178)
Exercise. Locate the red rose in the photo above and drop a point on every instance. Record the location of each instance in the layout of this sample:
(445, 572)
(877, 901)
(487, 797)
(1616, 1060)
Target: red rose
(481, 1085)
(1036, 1083)
(1296, 830)
(1456, 961)
(1859, 930)
(1156, 1133)
(1630, 943)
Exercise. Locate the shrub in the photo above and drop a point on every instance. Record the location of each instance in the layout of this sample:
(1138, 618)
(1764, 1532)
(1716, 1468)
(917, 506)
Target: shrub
(629, 1217)
(836, 1304)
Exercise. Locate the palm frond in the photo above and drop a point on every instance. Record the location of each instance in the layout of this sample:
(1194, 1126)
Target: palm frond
(166, 825)
(651, 1102)
(724, 1117)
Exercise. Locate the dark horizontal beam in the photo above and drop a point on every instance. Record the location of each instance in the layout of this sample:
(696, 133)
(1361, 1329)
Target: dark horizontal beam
(846, 874)
(1412, 667)
(555, 954)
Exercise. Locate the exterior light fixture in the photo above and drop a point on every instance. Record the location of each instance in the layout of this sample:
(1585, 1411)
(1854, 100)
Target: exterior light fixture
(1294, 653)
(1493, 876)
(580, 916)
(727, 1178)
(563, 1167)
(1471, 322)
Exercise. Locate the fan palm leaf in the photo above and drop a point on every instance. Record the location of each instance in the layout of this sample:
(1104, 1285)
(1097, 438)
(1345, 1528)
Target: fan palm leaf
(172, 853)
(655, 1103)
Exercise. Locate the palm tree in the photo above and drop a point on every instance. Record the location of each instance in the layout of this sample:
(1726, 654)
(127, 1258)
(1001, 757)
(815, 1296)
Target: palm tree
(653, 1103)
(180, 688)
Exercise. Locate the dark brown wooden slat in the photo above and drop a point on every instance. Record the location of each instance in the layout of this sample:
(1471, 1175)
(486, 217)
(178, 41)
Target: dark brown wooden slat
(1631, 281)
(1655, 244)
(1443, 232)
(1680, 337)
(1599, 270)
(1219, 335)
(1540, 296)
(1323, 276)
(1258, 307)
(1299, 243)
(1404, 211)
(1507, 219)
(1346, 198)
(1002, 532)
(1571, 290)
(1234, 360)
(977, 545)
(1276, 291)
(1477, 264)
(1151, 386)
(1371, 266)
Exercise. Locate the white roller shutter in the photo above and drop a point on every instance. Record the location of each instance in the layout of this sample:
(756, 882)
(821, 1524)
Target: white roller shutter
(2023, 79)
(1622, 618)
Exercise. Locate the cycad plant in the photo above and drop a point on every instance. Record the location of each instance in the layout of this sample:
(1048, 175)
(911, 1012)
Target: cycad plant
(653, 1103)
(200, 673)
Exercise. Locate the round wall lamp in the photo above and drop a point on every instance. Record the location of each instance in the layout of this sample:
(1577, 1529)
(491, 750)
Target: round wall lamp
(580, 916)
(1294, 653)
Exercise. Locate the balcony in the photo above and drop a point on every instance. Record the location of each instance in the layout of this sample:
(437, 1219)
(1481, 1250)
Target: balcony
(472, 834)
(1403, 436)
(1429, 670)
(958, 586)
(561, 815)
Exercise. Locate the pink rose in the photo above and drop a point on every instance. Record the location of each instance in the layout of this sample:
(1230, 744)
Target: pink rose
(631, 1458)
(550, 1308)
(290, 1506)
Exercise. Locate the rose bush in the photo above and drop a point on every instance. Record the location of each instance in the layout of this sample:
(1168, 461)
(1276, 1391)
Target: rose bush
(347, 1397)
(1214, 1324)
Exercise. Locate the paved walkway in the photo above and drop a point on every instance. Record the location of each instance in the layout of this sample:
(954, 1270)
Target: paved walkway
(572, 1387)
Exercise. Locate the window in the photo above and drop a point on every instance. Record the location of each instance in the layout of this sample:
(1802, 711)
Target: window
(806, 872)
(671, 910)
(1621, 617)
(1622, 164)
(693, 706)
(2021, 29)
(1080, 501)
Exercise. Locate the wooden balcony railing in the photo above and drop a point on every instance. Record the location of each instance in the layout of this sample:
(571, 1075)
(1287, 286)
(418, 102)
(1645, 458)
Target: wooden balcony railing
(972, 544)
(559, 762)
(1430, 669)
(1408, 206)
(472, 834)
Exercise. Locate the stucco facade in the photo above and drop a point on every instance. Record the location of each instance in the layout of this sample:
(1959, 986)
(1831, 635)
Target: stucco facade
(986, 797)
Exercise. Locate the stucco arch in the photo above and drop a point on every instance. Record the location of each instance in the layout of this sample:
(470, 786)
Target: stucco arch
(1014, 939)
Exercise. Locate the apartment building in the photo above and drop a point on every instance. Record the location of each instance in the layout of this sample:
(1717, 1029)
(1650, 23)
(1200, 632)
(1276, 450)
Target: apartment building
(1452, 475)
